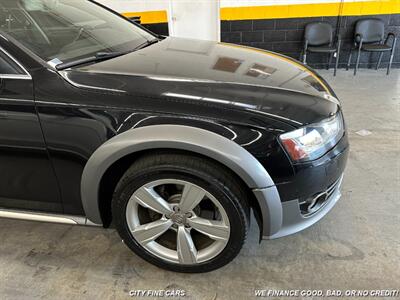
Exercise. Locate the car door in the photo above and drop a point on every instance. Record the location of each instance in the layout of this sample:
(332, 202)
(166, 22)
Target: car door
(27, 179)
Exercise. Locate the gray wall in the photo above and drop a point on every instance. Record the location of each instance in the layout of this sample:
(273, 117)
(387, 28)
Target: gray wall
(286, 36)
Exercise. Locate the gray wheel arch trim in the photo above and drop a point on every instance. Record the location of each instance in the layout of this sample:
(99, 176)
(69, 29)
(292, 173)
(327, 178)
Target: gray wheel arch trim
(192, 139)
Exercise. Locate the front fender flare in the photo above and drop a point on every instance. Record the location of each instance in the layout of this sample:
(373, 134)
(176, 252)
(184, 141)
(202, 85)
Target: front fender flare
(192, 139)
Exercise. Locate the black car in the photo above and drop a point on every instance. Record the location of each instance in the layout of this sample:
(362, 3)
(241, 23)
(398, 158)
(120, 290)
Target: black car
(175, 142)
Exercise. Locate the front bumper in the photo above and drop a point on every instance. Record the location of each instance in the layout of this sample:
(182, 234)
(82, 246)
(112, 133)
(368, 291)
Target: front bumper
(318, 180)
(294, 220)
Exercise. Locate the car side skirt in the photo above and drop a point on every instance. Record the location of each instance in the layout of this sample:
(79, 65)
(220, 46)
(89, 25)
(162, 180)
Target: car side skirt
(45, 217)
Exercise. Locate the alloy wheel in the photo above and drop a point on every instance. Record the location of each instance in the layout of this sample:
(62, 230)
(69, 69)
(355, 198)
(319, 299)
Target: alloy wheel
(178, 221)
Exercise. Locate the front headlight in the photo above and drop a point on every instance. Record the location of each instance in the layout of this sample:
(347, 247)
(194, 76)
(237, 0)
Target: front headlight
(314, 140)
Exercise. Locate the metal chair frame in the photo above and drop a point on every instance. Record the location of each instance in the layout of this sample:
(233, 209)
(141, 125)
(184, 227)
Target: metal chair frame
(358, 46)
(332, 42)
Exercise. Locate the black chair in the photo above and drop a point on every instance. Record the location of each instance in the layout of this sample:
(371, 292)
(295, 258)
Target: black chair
(369, 37)
(318, 38)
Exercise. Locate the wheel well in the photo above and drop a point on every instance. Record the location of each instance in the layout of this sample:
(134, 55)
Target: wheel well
(115, 172)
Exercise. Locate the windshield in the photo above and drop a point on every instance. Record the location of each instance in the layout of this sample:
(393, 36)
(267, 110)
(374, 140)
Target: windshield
(61, 31)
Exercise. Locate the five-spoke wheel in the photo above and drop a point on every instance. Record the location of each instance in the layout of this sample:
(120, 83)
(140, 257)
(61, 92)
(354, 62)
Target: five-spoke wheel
(181, 212)
(183, 208)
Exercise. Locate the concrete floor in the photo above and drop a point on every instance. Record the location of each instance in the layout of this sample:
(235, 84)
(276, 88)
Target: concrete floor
(356, 246)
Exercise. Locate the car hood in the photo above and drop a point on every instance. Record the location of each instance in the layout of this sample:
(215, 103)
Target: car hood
(213, 72)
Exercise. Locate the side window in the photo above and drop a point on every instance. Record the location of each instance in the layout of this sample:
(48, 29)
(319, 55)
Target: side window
(8, 66)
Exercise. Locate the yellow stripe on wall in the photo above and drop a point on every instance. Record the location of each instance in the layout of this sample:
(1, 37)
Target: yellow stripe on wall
(311, 10)
(359, 8)
(149, 17)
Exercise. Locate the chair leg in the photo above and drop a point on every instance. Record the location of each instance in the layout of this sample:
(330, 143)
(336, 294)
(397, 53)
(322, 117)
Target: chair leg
(305, 58)
(357, 62)
(349, 60)
(379, 61)
(336, 62)
(329, 60)
(390, 61)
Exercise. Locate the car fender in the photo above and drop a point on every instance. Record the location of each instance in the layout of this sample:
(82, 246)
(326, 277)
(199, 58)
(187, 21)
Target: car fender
(192, 139)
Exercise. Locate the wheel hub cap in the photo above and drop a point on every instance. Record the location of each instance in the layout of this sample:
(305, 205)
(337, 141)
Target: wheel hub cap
(178, 218)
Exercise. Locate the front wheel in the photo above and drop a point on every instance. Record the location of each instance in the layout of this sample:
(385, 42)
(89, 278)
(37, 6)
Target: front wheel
(181, 212)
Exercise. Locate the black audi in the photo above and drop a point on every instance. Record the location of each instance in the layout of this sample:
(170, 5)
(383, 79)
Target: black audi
(174, 142)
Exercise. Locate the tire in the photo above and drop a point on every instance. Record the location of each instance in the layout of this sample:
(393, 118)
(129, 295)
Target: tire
(209, 234)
